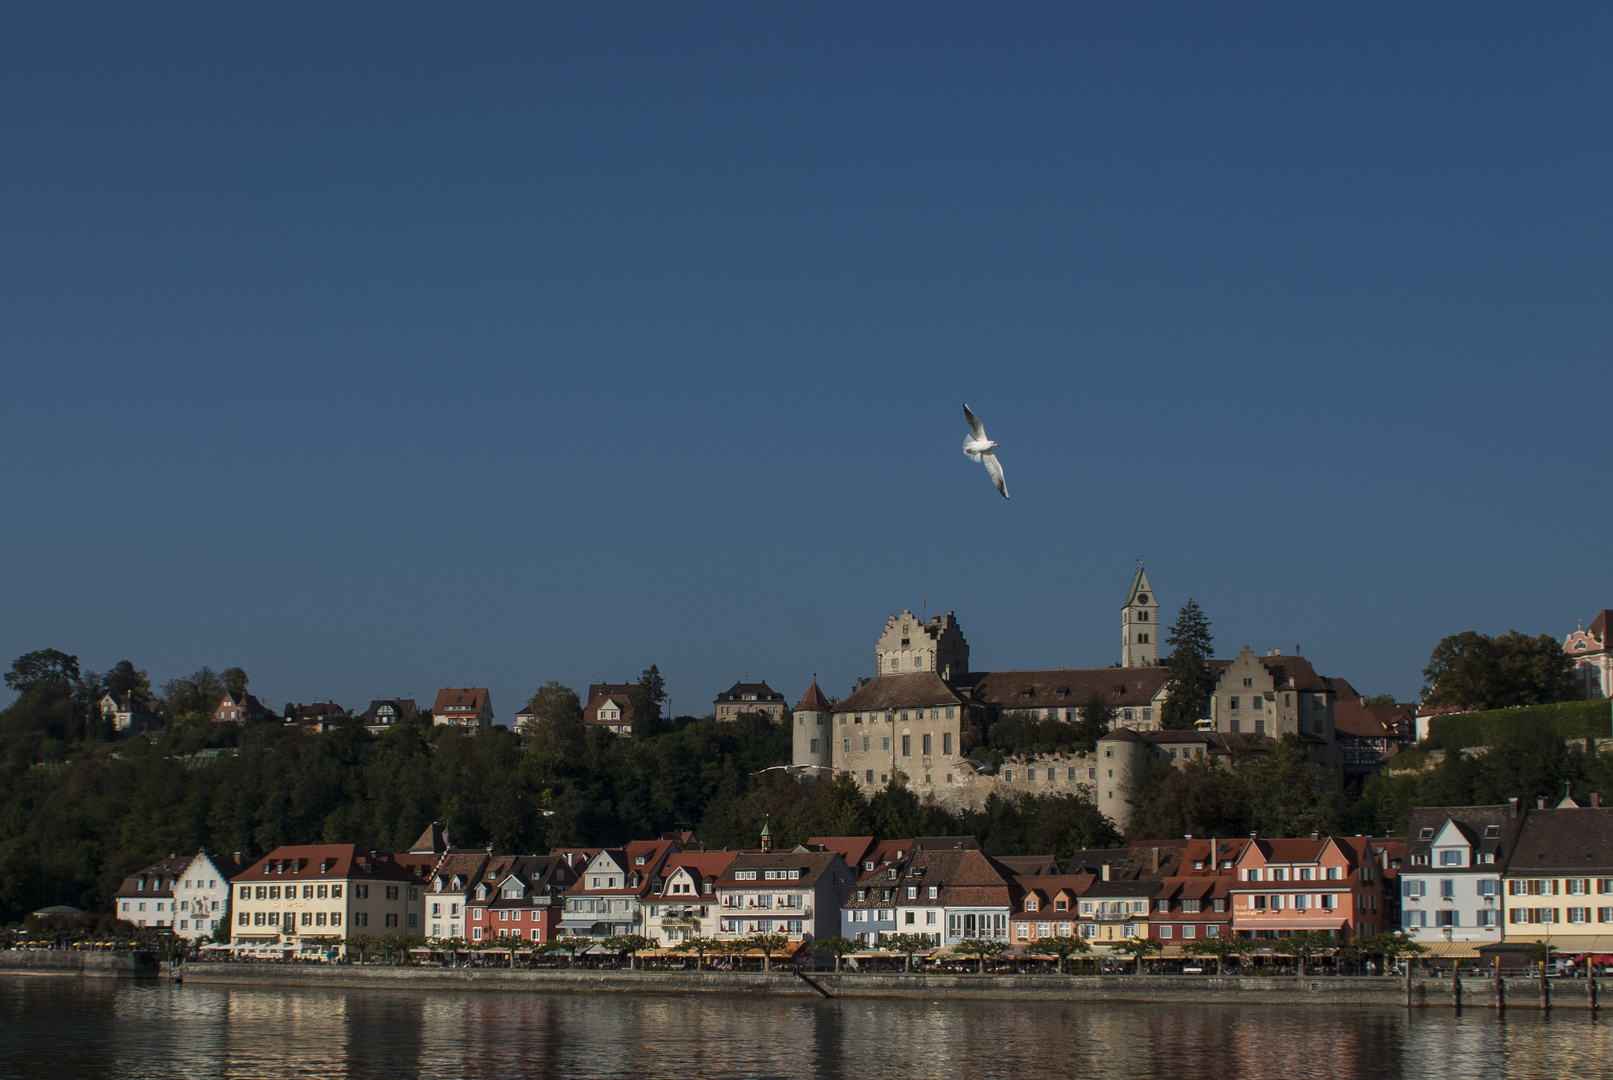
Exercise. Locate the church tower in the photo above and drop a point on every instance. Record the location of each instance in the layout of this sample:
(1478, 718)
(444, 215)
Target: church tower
(1140, 623)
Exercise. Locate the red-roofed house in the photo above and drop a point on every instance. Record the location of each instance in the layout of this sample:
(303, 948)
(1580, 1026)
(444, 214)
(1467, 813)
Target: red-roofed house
(314, 895)
(610, 706)
(608, 895)
(1322, 883)
(470, 708)
(518, 898)
(1593, 663)
(682, 902)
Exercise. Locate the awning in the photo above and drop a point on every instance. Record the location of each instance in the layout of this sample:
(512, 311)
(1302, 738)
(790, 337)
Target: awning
(1563, 943)
(1453, 950)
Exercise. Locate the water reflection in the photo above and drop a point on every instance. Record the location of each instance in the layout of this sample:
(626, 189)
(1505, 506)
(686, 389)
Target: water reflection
(60, 1027)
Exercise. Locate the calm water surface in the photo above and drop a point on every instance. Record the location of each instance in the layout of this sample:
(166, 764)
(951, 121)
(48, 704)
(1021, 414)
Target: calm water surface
(63, 1028)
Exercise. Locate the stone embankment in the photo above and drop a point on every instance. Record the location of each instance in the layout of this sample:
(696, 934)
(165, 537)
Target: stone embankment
(73, 962)
(1476, 992)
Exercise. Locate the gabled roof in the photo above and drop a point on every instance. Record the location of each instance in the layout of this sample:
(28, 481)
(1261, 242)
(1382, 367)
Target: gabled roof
(760, 690)
(853, 849)
(1287, 673)
(324, 862)
(1027, 865)
(469, 699)
(159, 876)
(701, 865)
(402, 708)
(813, 700)
(434, 839)
(1068, 687)
(921, 689)
(465, 867)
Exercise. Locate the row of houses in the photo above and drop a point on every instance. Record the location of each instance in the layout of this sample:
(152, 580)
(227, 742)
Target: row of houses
(1466, 882)
(470, 708)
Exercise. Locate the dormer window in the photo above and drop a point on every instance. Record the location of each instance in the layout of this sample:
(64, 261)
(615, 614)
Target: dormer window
(869, 865)
(1030, 903)
(638, 860)
(1426, 834)
(1492, 832)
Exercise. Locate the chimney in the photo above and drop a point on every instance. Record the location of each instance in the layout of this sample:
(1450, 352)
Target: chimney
(1596, 800)
(1512, 807)
(1276, 652)
(1103, 872)
(1315, 835)
(1540, 802)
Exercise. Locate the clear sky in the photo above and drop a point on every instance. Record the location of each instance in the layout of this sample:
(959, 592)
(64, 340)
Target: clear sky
(382, 348)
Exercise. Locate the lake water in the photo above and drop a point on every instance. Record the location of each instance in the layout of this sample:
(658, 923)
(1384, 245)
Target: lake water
(64, 1028)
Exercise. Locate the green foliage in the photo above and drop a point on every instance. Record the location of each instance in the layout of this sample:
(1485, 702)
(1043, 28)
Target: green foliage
(1019, 732)
(1064, 946)
(907, 945)
(837, 947)
(194, 698)
(1190, 682)
(1219, 947)
(1565, 720)
(1281, 793)
(1138, 948)
(44, 672)
(1380, 700)
(1476, 671)
(981, 949)
(628, 945)
(1387, 945)
(646, 703)
(1097, 717)
(1522, 762)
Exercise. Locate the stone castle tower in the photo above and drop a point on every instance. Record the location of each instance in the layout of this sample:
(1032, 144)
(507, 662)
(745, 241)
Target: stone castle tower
(1139, 623)
(908, 645)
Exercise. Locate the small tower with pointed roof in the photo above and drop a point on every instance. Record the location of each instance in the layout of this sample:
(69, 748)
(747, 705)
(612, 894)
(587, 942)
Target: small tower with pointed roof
(767, 838)
(811, 734)
(1139, 623)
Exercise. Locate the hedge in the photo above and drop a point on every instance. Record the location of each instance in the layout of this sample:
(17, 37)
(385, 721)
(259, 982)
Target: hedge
(1568, 720)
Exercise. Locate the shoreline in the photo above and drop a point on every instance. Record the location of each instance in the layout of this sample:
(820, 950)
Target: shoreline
(1477, 993)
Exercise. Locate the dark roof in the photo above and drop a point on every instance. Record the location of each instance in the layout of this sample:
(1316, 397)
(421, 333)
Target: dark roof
(1473, 822)
(812, 864)
(1065, 687)
(1030, 865)
(813, 700)
(919, 690)
(319, 710)
(760, 690)
(403, 707)
(1599, 625)
(1570, 840)
(310, 862)
(160, 875)
(1287, 673)
(611, 688)
(434, 839)
(1101, 890)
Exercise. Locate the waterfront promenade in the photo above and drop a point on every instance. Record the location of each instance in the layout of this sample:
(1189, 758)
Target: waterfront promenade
(1476, 992)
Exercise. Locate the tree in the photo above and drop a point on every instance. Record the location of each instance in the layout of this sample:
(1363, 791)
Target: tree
(1097, 717)
(647, 700)
(1379, 700)
(235, 680)
(1304, 944)
(1138, 948)
(1389, 946)
(1475, 671)
(980, 948)
(1190, 681)
(628, 945)
(700, 946)
(907, 945)
(45, 672)
(1220, 947)
(837, 947)
(1063, 947)
(193, 698)
(768, 944)
(570, 945)
(124, 679)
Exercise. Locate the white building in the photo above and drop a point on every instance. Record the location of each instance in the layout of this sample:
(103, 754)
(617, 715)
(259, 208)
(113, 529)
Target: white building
(187, 894)
(1450, 883)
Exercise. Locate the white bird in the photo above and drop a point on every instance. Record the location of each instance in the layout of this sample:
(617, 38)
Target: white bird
(979, 448)
(793, 770)
(980, 766)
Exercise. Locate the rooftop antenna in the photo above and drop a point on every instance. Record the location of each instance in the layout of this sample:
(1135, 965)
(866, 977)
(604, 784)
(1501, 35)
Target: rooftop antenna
(924, 607)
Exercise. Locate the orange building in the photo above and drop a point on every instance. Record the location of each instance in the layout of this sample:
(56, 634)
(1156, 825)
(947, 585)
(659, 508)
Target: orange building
(1336, 885)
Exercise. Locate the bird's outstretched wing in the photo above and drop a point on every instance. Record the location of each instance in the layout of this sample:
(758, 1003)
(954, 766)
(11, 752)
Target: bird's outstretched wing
(976, 428)
(995, 468)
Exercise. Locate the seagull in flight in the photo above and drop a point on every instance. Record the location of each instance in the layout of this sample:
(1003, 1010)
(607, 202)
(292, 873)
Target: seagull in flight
(979, 448)
(792, 770)
(981, 767)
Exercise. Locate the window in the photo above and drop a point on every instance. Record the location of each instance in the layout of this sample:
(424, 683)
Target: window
(907, 746)
(360, 892)
(392, 920)
(926, 746)
(1450, 857)
(391, 892)
(1447, 889)
(845, 746)
(1232, 704)
(865, 744)
(814, 746)
(885, 743)
(868, 776)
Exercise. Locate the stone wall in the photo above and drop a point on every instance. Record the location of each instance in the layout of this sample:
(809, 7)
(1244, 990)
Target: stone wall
(72, 962)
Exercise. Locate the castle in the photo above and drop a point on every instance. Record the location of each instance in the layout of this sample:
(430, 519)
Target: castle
(909, 719)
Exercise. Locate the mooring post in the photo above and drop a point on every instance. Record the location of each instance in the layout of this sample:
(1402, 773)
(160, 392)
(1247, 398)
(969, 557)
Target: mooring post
(1590, 986)
(1456, 985)
(1408, 982)
(1545, 989)
(1500, 988)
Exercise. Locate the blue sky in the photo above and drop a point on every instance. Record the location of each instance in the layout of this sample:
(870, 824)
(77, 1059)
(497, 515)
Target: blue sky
(394, 347)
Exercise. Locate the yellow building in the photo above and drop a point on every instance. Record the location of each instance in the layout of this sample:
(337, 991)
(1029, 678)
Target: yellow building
(1558, 885)
(316, 895)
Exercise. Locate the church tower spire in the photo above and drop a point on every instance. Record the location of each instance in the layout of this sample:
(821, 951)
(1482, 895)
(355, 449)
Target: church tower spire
(1139, 623)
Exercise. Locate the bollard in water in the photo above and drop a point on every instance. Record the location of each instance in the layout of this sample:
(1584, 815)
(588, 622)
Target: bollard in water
(1590, 987)
(1456, 986)
(1408, 982)
(1500, 988)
